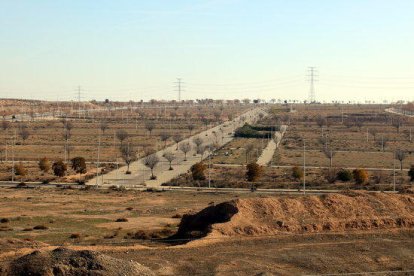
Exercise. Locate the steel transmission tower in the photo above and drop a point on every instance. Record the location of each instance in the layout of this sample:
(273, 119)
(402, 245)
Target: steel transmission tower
(179, 87)
(312, 71)
(79, 96)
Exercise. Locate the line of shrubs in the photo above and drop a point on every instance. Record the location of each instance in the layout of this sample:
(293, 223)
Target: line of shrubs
(360, 176)
(59, 167)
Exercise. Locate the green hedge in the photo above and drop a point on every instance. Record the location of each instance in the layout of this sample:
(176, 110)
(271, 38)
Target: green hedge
(247, 131)
(266, 128)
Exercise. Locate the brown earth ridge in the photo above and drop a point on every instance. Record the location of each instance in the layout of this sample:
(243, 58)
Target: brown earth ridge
(305, 214)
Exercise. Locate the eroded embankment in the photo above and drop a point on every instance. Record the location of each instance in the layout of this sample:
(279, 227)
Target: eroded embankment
(273, 215)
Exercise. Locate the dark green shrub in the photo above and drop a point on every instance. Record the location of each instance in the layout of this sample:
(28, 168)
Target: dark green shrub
(344, 175)
(253, 172)
(59, 168)
(40, 227)
(197, 170)
(297, 173)
(411, 173)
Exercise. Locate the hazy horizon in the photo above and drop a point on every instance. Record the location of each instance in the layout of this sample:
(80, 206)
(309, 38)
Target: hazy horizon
(225, 49)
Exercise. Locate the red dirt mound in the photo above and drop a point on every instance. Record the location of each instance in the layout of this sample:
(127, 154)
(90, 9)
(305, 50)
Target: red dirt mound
(332, 212)
(66, 262)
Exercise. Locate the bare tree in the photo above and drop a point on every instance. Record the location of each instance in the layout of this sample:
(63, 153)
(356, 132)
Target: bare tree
(247, 150)
(170, 157)
(320, 121)
(173, 115)
(359, 123)
(150, 125)
(324, 140)
(128, 154)
(408, 134)
(141, 113)
(103, 126)
(397, 123)
(400, 156)
(68, 126)
(261, 115)
(348, 123)
(151, 161)
(24, 133)
(5, 125)
(190, 127)
(185, 148)
(329, 153)
(200, 150)
(2, 150)
(66, 135)
(122, 135)
(382, 142)
(373, 132)
(205, 120)
(217, 115)
(198, 141)
(164, 137)
(177, 138)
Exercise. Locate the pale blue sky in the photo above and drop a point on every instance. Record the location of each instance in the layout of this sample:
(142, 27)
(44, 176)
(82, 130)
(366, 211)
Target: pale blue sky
(119, 49)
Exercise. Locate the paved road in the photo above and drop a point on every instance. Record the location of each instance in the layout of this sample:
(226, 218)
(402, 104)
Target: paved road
(268, 152)
(31, 185)
(397, 111)
(140, 175)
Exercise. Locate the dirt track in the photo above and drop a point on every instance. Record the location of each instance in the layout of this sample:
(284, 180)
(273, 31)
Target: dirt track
(285, 255)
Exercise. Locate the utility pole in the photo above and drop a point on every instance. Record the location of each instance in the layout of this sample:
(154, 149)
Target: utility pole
(97, 163)
(312, 78)
(209, 167)
(14, 143)
(304, 167)
(79, 92)
(394, 175)
(116, 158)
(179, 86)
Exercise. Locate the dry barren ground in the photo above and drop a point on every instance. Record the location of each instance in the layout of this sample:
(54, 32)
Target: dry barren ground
(94, 214)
